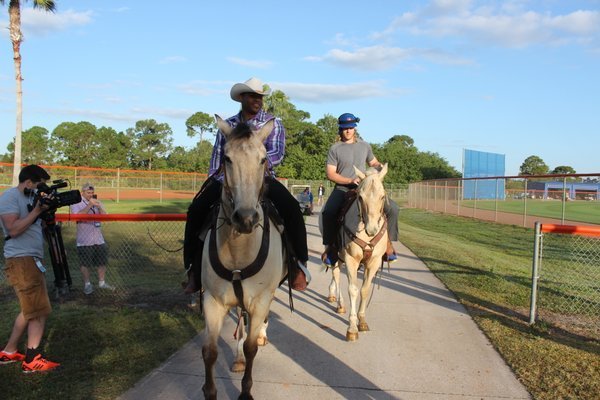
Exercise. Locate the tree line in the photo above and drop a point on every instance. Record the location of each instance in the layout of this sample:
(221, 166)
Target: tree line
(149, 146)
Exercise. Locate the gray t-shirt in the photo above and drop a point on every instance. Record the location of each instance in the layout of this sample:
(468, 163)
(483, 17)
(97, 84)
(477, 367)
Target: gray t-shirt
(30, 242)
(347, 155)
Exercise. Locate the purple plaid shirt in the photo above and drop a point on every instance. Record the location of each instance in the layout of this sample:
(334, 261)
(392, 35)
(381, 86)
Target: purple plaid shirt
(274, 143)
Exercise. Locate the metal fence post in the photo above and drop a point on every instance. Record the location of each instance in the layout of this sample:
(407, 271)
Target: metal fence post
(535, 271)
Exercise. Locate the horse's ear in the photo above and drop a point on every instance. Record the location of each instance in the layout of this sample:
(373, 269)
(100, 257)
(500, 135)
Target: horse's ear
(265, 130)
(223, 126)
(359, 173)
(384, 170)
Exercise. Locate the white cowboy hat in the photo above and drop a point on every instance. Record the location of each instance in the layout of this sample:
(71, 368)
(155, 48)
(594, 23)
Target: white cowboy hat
(252, 85)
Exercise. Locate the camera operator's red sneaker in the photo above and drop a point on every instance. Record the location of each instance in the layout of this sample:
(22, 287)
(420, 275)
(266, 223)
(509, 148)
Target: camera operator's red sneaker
(39, 364)
(7, 358)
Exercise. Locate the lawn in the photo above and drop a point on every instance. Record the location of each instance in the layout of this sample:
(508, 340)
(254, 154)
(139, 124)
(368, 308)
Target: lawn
(107, 343)
(581, 211)
(488, 267)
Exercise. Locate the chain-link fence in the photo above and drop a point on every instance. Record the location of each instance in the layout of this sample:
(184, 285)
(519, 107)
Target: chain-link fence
(566, 278)
(516, 200)
(144, 263)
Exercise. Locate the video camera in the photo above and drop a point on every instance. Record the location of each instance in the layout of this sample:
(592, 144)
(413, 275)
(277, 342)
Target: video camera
(49, 195)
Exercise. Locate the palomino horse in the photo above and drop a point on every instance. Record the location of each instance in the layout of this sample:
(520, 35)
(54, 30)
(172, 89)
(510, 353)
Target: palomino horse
(243, 258)
(365, 245)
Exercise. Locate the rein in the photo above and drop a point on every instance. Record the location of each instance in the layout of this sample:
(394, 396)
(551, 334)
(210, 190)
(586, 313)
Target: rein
(367, 247)
(236, 276)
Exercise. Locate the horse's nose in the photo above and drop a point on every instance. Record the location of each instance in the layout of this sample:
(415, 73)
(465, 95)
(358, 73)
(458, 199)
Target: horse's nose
(245, 220)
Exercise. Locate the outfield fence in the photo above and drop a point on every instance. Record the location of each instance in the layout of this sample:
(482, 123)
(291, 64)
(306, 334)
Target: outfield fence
(122, 184)
(515, 200)
(565, 286)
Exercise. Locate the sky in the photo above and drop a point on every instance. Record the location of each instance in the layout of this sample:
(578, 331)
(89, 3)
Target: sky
(518, 78)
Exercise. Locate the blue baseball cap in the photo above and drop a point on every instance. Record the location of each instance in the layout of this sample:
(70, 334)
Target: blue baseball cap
(347, 120)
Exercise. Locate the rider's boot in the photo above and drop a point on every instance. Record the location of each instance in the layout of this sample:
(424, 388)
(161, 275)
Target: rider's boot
(329, 256)
(194, 272)
(390, 254)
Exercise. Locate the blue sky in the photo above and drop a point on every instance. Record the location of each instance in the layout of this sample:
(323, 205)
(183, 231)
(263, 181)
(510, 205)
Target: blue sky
(519, 78)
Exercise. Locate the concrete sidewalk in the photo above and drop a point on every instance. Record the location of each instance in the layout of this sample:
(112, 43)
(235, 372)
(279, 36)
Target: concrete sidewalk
(422, 346)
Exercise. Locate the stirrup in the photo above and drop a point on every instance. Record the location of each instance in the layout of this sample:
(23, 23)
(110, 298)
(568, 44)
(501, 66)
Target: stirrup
(303, 268)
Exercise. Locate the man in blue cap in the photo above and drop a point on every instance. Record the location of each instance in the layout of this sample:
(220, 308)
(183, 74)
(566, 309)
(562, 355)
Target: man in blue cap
(343, 155)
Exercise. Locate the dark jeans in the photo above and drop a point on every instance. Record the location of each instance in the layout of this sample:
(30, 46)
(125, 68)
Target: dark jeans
(286, 205)
(332, 208)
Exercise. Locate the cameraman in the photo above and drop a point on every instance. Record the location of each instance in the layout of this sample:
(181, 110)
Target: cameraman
(23, 253)
(91, 247)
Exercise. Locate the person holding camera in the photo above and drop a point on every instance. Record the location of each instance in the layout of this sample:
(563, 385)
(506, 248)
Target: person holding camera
(91, 247)
(20, 210)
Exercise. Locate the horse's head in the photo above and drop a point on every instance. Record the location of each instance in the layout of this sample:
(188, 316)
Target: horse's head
(371, 197)
(244, 166)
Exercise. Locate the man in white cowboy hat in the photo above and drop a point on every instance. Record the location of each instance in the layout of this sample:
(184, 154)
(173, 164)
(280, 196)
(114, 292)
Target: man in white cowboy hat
(250, 94)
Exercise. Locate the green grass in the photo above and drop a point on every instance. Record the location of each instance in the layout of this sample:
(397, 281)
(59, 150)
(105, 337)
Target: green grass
(106, 344)
(488, 267)
(581, 211)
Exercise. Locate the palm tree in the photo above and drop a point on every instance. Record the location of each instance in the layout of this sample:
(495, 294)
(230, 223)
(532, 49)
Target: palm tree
(14, 14)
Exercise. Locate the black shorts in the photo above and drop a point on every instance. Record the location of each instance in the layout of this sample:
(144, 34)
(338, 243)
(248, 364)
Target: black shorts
(93, 256)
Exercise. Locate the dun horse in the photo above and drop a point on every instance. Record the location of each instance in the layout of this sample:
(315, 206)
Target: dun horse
(243, 258)
(364, 245)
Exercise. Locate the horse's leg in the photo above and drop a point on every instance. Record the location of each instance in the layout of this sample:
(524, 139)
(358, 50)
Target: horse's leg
(365, 291)
(214, 314)
(257, 320)
(262, 336)
(334, 284)
(239, 364)
(352, 272)
(341, 309)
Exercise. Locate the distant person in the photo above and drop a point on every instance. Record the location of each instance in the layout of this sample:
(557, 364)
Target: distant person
(305, 198)
(91, 247)
(23, 268)
(320, 194)
(344, 155)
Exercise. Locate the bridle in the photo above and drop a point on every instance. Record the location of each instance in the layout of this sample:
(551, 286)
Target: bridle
(229, 205)
(367, 247)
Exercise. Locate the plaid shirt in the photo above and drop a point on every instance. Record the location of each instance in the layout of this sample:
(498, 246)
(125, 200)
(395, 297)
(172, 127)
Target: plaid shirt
(274, 143)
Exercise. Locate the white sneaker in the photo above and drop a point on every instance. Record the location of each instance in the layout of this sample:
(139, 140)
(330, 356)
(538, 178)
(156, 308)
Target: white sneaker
(106, 286)
(88, 288)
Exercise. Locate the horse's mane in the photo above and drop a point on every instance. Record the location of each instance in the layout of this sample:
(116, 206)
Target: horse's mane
(241, 131)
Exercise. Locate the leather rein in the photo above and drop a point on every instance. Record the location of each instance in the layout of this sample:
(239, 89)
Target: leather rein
(367, 247)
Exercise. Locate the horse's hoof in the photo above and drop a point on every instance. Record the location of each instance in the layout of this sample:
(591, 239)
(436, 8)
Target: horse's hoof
(363, 327)
(351, 336)
(262, 341)
(238, 366)
(341, 310)
(245, 396)
(332, 299)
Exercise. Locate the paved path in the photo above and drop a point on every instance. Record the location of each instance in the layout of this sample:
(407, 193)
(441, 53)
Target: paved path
(422, 346)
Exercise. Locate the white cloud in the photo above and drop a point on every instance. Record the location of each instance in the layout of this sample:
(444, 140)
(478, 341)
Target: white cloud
(261, 64)
(379, 57)
(507, 26)
(368, 58)
(323, 93)
(39, 23)
(173, 60)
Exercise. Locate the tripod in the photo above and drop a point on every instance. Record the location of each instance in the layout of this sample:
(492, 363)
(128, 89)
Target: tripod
(58, 256)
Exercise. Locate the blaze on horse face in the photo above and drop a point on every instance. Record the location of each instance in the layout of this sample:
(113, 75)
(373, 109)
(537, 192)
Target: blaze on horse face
(244, 163)
(371, 195)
